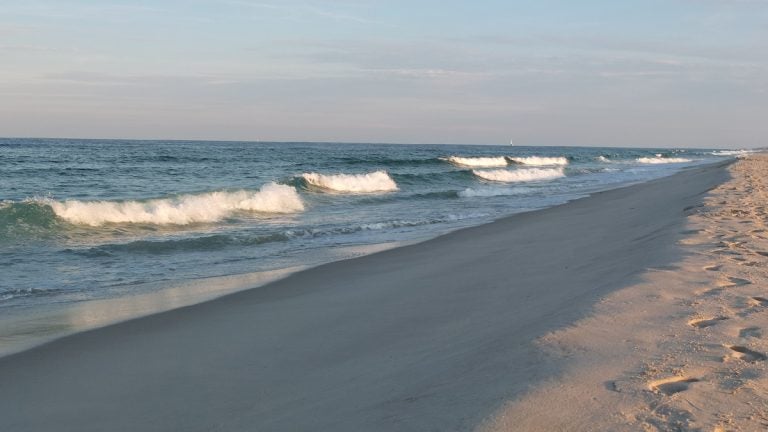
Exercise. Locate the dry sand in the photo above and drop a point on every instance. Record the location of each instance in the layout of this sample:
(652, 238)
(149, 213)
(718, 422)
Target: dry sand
(437, 335)
(685, 349)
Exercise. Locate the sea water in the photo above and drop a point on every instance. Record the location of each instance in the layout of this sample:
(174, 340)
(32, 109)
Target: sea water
(90, 220)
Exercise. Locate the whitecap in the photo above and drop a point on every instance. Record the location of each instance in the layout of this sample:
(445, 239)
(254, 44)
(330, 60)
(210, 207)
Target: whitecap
(182, 210)
(478, 161)
(520, 175)
(662, 160)
(539, 161)
(378, 181)
(731, 152)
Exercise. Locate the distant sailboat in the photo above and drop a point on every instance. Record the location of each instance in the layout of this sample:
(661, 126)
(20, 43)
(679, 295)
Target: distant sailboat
(511, 143)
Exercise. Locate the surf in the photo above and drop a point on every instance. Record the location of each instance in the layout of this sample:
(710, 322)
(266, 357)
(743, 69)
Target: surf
(377, 181)
(478, 161)
(539, 161)
(520, 175)
(661, 160)
(181, 210)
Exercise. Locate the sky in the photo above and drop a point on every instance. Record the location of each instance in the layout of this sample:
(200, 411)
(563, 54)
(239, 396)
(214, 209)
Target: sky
(640, 73)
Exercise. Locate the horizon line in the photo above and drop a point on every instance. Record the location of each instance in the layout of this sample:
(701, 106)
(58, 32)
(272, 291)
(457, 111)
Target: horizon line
(251, 141)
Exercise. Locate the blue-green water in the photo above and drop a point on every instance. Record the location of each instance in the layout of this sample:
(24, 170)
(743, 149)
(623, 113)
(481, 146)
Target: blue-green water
(91, 219)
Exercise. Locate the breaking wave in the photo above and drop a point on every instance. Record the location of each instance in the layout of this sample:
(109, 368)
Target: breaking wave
(731, 152)
(539, 161)
(378, 181)
(478, 161)
(181, 210)
(661, 160)
(520, 175)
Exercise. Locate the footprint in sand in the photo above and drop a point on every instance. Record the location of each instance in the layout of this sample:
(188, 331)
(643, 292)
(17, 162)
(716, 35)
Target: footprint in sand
(712, 292)
(713, 267)
(702, 323)
(738, 258)
(670, 386)
(725, 251)
(758, 301)
(746, 354)
(731, 244)
(750, 332)
(730, 281)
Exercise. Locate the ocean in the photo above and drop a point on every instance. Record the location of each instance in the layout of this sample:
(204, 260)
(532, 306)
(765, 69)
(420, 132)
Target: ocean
(88, 222)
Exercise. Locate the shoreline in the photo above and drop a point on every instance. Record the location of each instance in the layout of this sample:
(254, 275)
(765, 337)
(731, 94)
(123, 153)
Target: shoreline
(377, 321)
(21, 332)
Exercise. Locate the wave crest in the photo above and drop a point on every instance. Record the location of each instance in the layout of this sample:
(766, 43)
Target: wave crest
(478, 161)
(181, 210)
(661, 160)
(539, 161)
(731, 152)
(520, 175)
(378, 181)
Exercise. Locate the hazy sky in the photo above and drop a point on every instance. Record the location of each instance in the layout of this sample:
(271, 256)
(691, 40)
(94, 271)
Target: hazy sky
(615, 72)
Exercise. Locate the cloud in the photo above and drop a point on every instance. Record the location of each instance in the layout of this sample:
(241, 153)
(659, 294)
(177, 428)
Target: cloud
(140, 80)
(29, 48)
(293, 11)
(75, 10)
(472, 60)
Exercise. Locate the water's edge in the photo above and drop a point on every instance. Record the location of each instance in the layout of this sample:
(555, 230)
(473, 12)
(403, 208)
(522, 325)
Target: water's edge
(31, 328)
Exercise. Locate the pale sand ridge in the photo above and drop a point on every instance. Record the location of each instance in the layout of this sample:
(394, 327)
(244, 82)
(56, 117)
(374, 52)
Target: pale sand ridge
(433, 336)
(686, 349)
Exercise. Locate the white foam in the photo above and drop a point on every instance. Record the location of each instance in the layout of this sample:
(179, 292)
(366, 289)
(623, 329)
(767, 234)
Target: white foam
(520, 175)
(731, 152)
(478, 161)
(540, 161)
(181, 210)
(603, 159)
(378, 181)
(662, 160)
(491, 192)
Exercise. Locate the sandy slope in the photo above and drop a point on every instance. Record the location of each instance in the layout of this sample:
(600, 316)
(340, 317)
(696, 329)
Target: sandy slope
(433, 336)
(686, 349)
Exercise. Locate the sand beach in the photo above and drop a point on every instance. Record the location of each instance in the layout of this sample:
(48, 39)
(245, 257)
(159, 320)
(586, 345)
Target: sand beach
(682, 349)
